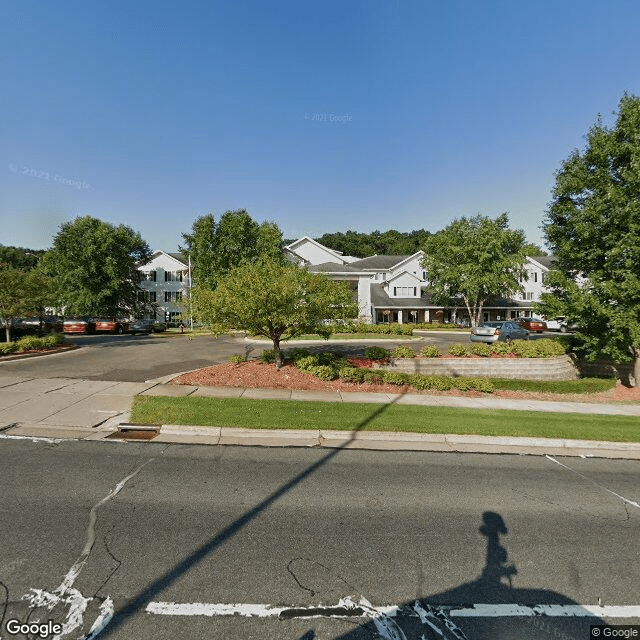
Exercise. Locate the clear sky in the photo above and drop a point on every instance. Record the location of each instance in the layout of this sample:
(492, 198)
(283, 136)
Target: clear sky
(321, 116)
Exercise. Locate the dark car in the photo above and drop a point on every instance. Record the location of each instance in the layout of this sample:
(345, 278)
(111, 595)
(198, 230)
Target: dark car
(38, 325)
(503, 330)
(532, 324)
(112, 325)
(147, 326)
(79, 324)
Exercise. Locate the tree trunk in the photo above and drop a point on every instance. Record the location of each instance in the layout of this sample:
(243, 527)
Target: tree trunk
(277, 352)
(636, 367)
(7, 332)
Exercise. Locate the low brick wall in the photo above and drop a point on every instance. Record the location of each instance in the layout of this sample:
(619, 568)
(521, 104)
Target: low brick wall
(559, 368)
(605, 368)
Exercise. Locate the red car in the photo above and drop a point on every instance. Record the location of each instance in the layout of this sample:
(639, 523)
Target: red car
(112, 325)
(79, 324)
(532, 324)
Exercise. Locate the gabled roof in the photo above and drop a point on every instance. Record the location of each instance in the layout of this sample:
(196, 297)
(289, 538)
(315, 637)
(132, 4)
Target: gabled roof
(380, 299)
(332, 267)
(306, 239)
(544, 261)
(175, 257)
(378, 263)
(401, 273)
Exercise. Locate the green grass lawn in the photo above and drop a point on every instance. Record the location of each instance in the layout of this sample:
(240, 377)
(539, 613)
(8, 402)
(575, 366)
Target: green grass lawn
(289, 414)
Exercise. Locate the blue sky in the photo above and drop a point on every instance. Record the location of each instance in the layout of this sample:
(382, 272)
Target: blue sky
(321, 116)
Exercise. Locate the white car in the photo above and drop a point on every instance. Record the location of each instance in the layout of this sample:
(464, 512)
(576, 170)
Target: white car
(560, 323)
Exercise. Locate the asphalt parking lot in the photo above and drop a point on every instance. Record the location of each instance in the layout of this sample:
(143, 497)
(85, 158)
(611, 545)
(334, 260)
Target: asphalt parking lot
(127, 358)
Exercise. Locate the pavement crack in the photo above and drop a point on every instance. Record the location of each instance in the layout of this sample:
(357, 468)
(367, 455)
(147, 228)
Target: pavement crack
(116, 560)
(90, 536)
(626, 501)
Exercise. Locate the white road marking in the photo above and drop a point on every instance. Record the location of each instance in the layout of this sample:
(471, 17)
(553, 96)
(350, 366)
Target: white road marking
(66, 594)
(370, 611)
(617, 495)
(6, 436)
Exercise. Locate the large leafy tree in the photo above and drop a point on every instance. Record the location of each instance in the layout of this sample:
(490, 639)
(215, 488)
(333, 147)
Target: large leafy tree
(593, 229)
(95, 264)
(216, 248)
(273, 298)
(473, 260)
(22, 293)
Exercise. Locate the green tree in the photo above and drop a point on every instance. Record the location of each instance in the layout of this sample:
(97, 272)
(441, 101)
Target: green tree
(95, 265)
(216, 248)
(533, 250)
(23, 293)
(273, 298)
(592, 227)
(201, 247)
(19, 257)
(474, 259)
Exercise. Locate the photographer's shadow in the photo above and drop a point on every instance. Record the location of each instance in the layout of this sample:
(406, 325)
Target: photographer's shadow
(488, 608)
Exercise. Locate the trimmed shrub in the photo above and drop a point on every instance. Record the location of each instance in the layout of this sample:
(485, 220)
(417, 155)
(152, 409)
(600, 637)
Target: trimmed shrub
(524, 348)
(377, 353)
(430, 351)
(479, 384)
(481, 349)
(307, 363)
(351, 374)
(324, 372)
(237, 358)
(372, 377)
(458, 349)
(394, 377)
(403, 351)
(296, 354)
(548, 348)
(501, 348)
(53, 340)
(438, 383)
(8, 347)
(29, 343)
(268, 356)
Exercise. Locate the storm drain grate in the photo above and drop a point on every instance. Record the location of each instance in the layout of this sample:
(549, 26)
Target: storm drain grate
(134, 433)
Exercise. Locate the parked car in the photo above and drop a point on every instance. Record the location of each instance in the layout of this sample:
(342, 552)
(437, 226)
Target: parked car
(147, 326)
(112, 325)
(79, 324)
(38, 326)
(562, 324)
(532, 324)
(503, 330)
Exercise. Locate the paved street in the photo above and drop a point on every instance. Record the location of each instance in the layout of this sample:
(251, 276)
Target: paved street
(169, 536)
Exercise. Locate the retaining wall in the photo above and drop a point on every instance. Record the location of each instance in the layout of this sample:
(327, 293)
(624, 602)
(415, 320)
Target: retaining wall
(559, 368)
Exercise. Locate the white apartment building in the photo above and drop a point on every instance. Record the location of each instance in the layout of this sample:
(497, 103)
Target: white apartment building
(396, 288)
(165, 285)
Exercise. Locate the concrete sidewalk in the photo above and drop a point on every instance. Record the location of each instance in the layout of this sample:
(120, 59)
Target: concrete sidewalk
(65, 408)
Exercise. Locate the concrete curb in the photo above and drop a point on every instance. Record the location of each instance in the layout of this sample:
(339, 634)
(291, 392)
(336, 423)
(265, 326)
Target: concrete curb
(387, 441)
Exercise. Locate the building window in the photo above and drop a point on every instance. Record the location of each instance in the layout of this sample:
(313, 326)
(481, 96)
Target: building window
(173, 276)
(535, 277)
(149, 275)
(167, 296)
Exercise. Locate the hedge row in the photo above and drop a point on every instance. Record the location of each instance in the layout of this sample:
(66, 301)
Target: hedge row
(31, 343)
(544, 348)
(329, 366)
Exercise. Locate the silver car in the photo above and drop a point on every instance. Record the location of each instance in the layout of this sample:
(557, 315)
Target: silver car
(503, 330)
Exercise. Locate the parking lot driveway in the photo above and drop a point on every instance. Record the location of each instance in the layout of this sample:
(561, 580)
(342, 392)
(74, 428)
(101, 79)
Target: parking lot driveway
(130, 358)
